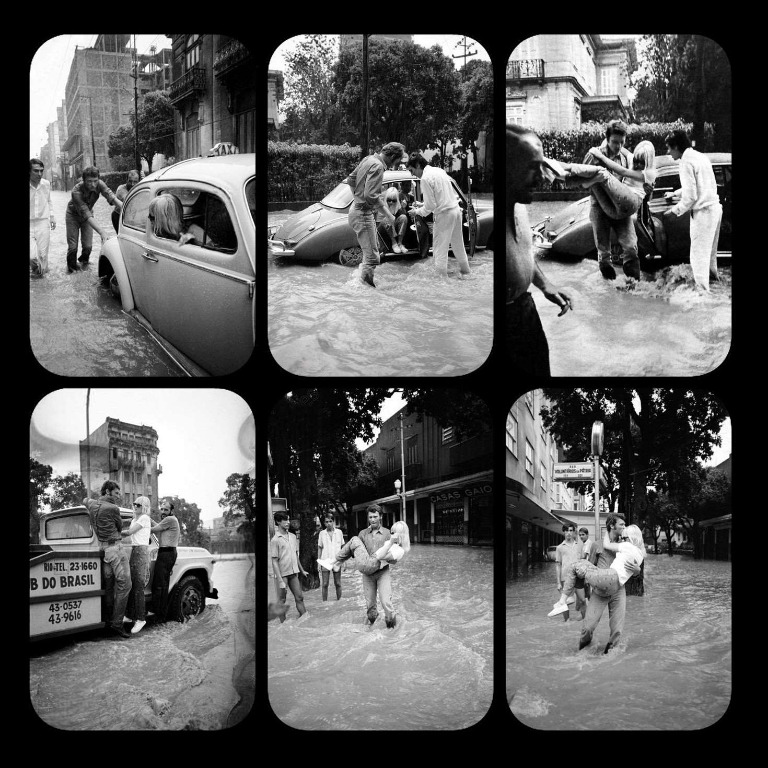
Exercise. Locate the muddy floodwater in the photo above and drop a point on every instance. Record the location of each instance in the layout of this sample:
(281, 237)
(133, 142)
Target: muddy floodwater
(671, 671)
(199, 675)
(323, 321)
(330, 670)
(76, 327)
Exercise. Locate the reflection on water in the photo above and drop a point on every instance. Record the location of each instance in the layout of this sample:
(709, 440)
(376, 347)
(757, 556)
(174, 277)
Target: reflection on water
(660, 326)
(672, 670)
(330, 670)
(323, 321)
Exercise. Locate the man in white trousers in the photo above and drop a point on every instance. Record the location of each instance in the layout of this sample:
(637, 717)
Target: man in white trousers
(41, 218)
(439, 199)
(699, 196)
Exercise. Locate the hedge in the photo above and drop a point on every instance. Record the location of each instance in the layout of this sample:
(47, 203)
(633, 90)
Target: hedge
(307, 171)
(114, 179)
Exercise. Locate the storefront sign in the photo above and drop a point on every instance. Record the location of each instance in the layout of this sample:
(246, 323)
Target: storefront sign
(478, 489)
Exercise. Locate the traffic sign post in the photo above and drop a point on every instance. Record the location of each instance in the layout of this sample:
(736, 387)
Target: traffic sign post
(597, 449)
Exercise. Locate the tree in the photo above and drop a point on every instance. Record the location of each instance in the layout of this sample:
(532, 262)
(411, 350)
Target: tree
(462, 410)
(312, 114)
(39, 480)
(238, 503)
(312, 435)
(188, 515)
(413, 93)
(68, 490)
(685, 77)
(476, 107)
(120, 147)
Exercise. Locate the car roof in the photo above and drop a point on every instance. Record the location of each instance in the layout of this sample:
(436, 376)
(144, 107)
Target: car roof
(390, 176)
(237, 168)
(77, 508)
(716, 158)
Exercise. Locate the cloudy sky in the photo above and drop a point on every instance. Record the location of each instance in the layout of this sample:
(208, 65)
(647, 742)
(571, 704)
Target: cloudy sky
(204, 435)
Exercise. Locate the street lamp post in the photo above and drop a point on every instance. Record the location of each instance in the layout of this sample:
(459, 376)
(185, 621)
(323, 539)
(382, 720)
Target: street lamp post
(597, 450)
(402, 465)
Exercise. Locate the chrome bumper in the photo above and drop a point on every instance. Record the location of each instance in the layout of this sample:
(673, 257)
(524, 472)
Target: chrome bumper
(277, 248)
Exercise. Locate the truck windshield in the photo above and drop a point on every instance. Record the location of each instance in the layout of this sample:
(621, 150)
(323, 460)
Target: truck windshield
(76, 526)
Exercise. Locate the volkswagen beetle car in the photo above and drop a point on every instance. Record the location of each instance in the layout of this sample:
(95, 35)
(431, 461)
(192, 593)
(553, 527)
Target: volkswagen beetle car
(196, 299)
(322, 232)
(661, 240)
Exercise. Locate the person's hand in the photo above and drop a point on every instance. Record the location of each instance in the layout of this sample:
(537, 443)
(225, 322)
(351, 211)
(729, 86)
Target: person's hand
(603, 174)
(596, 152)
(669, 213)
(185, 237)
(633, 568)
(561, 298)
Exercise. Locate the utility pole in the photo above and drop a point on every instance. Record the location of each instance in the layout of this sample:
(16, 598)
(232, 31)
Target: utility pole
(402, 468)
(467, 53)
(135, 76)
(87, 444)
(366, 128)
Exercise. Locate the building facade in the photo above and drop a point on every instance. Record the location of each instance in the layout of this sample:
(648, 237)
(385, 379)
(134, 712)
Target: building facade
(100, 97)
(213, 91)
(557, 82)
(447, 497)
(123, 452)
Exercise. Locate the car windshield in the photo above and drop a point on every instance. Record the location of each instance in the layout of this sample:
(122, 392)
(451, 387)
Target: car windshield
(340, 197)
(250, 196)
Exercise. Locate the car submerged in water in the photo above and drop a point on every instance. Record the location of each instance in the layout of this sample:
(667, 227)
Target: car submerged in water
(661, 240)
(322, 232)
(196, 299)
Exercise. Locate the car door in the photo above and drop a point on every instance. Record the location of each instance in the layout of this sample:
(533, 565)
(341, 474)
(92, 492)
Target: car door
(199, 296)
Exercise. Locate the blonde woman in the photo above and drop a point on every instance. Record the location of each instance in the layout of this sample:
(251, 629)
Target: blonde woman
(604, 581)
(167, 216)
(618, 199)
(392, 551)
(137, 537)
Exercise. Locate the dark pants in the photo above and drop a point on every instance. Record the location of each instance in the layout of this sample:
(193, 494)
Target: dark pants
(527, 345)
(166, 557)
(78, 230)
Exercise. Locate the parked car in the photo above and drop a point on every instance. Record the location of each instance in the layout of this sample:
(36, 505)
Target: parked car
(322, 232)
(549, 554)
(197, 300)
(661, 240)
(66, 590)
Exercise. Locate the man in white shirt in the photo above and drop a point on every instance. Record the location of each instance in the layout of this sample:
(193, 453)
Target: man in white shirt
(41, 218)
(439, 198)
(329, 542)
(699, 196)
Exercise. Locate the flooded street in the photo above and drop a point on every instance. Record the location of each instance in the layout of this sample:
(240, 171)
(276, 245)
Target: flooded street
(199, 675)
(77, 328)
(671, 671)
(662, 326)
(323, 321)
(330, 670)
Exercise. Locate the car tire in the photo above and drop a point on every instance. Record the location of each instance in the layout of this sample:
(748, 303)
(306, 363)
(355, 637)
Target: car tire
(350, 257)
(114, 286)
(186, 600)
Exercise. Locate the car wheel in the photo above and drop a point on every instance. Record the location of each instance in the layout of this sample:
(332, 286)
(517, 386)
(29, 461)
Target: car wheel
(114, 286)
(350, 257)
(187, 599)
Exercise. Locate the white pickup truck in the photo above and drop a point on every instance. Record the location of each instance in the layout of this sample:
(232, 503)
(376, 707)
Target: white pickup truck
(66, 588)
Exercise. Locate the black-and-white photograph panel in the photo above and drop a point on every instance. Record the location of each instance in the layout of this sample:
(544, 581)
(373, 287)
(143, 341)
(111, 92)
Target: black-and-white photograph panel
(380, 567)
(618, 205)
(618, 559)
(142, 205)
(142, 582)
(380, 197)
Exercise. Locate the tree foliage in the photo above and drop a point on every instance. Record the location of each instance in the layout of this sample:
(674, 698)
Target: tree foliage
(476, 107)
(685, 77)
(464, 411)
(67, 490)
(238, 503)
(39, 479)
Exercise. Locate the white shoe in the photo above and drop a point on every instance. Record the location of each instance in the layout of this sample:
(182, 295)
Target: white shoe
(126, 620)
(137, 627)
(558, 609)
(397, 248)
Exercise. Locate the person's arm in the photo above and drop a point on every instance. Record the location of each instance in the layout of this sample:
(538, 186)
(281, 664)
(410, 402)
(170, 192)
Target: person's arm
(109, 195)
(428, 201)
(381, 552)
(611, 546)
(373, 194)
(615, 167)
(161, 526)
(559, 566)
(689, 190)
(555, 295)
(135, 527)
(50, 207)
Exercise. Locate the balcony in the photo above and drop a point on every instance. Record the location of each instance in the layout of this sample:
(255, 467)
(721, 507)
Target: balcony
(229, 58)
(525, 69)
(190, 83)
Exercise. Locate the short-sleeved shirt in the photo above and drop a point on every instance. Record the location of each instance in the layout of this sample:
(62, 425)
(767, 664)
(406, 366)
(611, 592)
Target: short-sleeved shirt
(373, 540)
(141, 537)
(168, 531)
(40, 200)
(106, 519)
(285, 548)
(83, 199)
(565, 554)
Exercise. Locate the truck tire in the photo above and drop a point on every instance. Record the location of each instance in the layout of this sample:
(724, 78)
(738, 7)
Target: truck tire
(186, 600)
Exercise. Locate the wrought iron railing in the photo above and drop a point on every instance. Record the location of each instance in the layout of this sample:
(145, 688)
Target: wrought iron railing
(523, 69)
(191, 81)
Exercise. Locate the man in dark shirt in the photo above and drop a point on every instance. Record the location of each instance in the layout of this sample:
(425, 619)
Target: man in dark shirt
(380, 582)
(366, 181)
(79, 216)
(168, 533)
(107, 522)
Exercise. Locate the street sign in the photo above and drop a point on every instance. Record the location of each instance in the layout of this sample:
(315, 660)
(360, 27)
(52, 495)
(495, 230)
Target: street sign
(574, 471)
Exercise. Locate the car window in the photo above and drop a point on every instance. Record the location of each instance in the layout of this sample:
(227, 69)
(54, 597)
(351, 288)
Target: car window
(669, 181)
(76, 526)
(135, 210)
(250, 197)
(206, 218)
(340, 197)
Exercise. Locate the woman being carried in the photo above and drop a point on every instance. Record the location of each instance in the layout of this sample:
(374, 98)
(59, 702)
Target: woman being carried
(618, 199)
(392, 551)
(604, 581)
